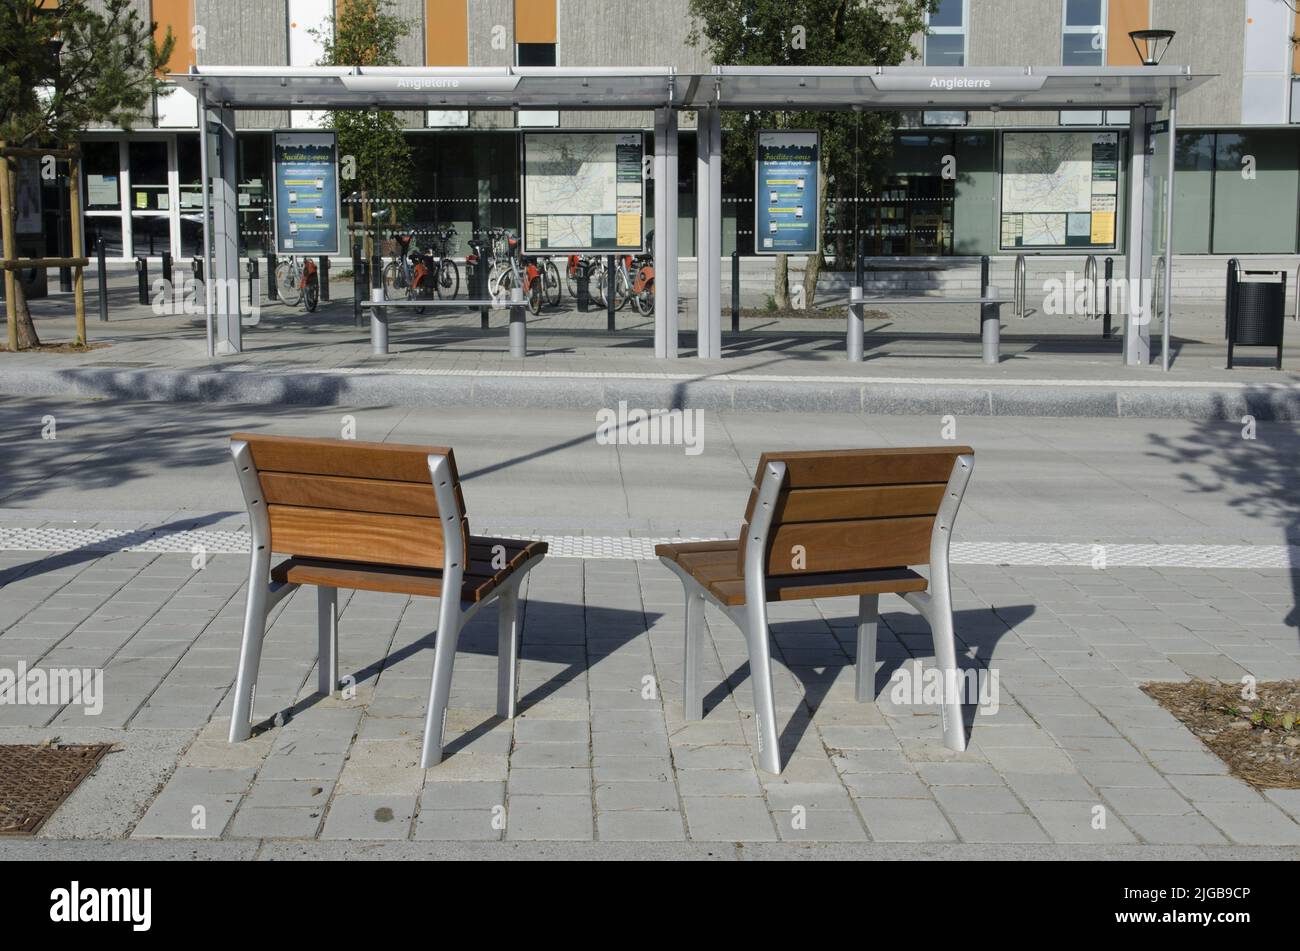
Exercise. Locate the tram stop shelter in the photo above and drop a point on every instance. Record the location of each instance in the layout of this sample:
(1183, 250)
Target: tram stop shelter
(1150, 93)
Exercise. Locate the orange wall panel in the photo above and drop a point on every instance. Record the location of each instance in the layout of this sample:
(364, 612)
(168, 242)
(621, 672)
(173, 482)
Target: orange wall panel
(535, 21)
(179, 15)
(446, 32)
(1122, 17)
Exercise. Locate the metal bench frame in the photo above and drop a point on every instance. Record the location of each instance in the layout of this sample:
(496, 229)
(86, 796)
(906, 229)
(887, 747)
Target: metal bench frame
(453, 613)
(935, 605)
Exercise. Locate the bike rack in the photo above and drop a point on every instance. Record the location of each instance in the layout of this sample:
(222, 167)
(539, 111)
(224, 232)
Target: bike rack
(1090, 282)
(1019, 290)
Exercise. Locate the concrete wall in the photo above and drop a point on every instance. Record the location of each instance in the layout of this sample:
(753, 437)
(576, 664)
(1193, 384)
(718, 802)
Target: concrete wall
(247, 33)
(1211, 39)
(1014, 33)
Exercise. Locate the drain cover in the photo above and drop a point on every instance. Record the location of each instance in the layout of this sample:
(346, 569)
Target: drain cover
(34, 781)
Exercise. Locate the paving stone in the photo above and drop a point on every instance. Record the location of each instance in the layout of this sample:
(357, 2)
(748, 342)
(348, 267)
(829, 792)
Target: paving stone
(718, 782)
(632, 769)
(1252, 823)
(528, 730)
(641, 826)
(1049, 787)
(819, 825)
(977, 799)
(1190, 829)
(270, 794)
(1141, 801)
(999, 828)
(1075, 822)
(624, 796)
(567, 818)
(462, 796)
(550, 755)
(958, 774)
(905, 820)
(186, 815)
(369, 817)
(1213, 788)
(886, 786)
(729, 819)
(562, 781)
(459, 824)
(277, 822)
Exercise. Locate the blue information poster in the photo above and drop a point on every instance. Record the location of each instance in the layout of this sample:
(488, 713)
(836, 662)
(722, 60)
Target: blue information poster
(786, 211)
(306, 193)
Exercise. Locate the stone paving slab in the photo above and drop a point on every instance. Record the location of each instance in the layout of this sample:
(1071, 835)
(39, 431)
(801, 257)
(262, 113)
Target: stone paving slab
(595, 756)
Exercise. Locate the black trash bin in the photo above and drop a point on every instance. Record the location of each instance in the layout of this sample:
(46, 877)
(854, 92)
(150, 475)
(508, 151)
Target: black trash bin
(1256, 310)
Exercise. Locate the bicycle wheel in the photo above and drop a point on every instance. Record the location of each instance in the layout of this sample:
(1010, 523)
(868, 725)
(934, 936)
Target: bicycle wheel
(623, 289)
(645, 298)
(448, 285)
(312, 292)
(502, 286)
(596, 284)
(536, 295)
(287, 277)
(571, 270)
(395, 283)
(551, 282)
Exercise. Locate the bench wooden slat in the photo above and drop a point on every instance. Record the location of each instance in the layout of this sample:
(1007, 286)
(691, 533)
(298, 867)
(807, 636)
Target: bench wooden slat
(848, 502)
(856, 467)
(325, 457)
(827, 585)
(401, 540)
(349, 494)
(849, 545)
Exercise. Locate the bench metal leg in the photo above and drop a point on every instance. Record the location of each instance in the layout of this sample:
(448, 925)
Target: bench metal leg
(692, 692)
(250, 652)
(865, 674)
(444, 657)
(936, 607)
(327, 639)
(507, 650)
(760, 673)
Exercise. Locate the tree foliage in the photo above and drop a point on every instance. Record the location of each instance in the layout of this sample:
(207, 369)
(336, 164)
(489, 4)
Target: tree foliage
(67, 66)
(855, 145)
(367, 33)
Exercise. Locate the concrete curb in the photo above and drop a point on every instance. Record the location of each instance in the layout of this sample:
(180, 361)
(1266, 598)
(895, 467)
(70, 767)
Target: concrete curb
(593, 392)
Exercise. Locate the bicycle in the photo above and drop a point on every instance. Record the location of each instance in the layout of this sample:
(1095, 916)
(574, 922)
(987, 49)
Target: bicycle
(298, 283)
(446, 275)
(575, 266)
(510, 275)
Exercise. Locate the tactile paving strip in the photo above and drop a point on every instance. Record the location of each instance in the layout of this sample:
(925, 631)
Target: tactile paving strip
(624, 548)
(35, 780)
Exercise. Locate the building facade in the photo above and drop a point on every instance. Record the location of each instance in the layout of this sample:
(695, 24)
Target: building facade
(956, 184)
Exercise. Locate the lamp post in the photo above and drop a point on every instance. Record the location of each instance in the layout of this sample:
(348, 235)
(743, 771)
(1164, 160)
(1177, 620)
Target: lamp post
(1151, 45)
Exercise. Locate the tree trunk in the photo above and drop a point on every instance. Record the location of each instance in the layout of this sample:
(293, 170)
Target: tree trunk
(781, 292)
(27, 338)
(814, 266)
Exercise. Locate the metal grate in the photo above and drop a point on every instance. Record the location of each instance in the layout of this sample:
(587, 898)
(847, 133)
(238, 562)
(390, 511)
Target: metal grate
(35, 780)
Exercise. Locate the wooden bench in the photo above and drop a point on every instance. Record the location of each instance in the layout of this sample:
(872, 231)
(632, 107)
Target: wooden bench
(371, 517)
(828, 524)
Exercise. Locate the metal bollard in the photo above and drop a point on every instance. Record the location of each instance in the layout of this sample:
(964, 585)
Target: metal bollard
(861, 266)
(167, 267)
(360, 280)
(735, 291)
(197, 267)
(991, 326)
(142, 277)
(481, 291)
(518, 323)
(324, 277)
(854, 343)
(611, 292)
(1105, 323)
(378, 323)
(252, 280)
(272, 289)
(376, 271)
(584, 288)
(102, 278)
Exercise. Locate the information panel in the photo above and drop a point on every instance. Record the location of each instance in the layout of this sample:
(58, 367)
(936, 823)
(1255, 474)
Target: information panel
(306, 193)
(583, 192)
(786, 211)
(1059, 189)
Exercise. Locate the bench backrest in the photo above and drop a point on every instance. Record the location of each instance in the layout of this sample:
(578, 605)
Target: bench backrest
(853, 509)
(353, 501)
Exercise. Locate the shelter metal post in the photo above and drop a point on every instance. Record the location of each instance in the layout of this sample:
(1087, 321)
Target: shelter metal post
(1137, 262)
(223, 276)
(1169, 231)
(665, 245)
(708, 242)
(204, 175)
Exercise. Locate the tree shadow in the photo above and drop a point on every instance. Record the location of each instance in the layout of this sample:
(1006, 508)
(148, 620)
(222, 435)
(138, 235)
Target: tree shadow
(1254, 465)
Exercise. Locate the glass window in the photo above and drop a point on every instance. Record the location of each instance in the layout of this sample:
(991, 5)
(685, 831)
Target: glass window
(99, 165)
(1247, 216)
(1082, 49)
(1083, 33)
(1082, 12)
(950, 13)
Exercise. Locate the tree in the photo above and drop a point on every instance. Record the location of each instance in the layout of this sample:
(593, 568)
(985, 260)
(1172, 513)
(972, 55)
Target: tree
(855, 145)
(66, 66)
(372, 143)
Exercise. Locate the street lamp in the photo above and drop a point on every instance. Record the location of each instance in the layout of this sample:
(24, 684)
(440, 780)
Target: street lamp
(1151, 45)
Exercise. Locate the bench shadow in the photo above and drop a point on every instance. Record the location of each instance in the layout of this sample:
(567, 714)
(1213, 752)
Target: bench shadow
(617, 627)
(974, 633)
